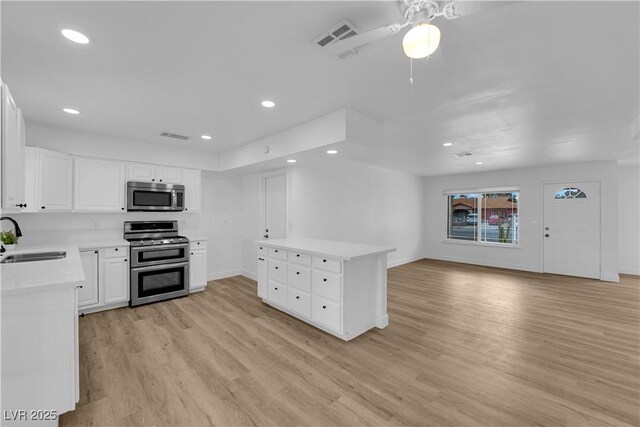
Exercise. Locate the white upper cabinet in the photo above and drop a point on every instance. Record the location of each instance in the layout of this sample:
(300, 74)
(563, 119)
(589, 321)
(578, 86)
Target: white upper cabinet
(169, 175)
(193, 189)
(99, 185)
(54, 181)
(13, 133)
(140, 172)
(153, 173)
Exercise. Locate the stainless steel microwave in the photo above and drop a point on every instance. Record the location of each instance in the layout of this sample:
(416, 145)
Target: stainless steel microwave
(153, 196)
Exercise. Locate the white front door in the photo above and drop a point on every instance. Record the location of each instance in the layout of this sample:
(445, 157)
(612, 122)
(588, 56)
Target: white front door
(572, 229)
(275, 207)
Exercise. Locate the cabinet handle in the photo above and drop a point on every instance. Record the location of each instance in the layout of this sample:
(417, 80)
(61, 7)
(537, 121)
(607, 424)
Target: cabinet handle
(191, 253)
(125, 260)
(276, 251)
(95, 252)
(186, 209)
(198, 242)
(25, 205)
(80, 286)
(324, 280)
(152, 179)
(297, 272)
(261, 259)
(297, 297)
(276, 268)
(160, 180)
(116, 249)
(42, 207)
(298, 255)
(260, 247)
(324, 260)
(324, 306)
(275, 289)
(121, 209)
(21, 205)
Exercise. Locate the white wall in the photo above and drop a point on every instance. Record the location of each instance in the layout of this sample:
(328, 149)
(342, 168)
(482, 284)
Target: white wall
(629, 219)
(342, 200)
(530, 181)
(110, 147)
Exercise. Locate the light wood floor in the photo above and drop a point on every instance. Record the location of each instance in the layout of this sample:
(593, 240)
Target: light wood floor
(465, 346)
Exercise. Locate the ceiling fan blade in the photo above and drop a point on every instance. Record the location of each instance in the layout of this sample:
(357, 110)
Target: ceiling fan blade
(462, 8)
(360, 40)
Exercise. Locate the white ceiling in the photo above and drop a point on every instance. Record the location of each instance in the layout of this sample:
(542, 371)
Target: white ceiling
(519, 85)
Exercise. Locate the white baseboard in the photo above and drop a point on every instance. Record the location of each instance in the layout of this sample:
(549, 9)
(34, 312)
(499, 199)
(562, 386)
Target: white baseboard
(609, 277)
(223, 274)
(397, 262)
(629, 270)
(250, 275)
(485, 263)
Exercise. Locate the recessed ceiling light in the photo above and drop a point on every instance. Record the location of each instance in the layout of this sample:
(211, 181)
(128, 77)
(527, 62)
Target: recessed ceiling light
(75, 36)
(291, 161)
(268, 104)
(70, 111)
(205, 136)
(447, 144)
(478, 163)
(332, 151)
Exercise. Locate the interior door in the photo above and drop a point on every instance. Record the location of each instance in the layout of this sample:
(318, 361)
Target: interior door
(572, 229)
(275, 207)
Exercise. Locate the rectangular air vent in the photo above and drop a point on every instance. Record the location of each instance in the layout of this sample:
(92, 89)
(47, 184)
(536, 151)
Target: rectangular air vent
(174, 135)
(464, 154)
(342, 30)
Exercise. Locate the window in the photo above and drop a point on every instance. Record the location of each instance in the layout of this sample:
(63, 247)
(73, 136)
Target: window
(484, 217)
(571, 193)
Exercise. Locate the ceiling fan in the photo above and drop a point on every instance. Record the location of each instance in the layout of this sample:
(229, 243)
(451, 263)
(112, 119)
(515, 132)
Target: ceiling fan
(423, 38)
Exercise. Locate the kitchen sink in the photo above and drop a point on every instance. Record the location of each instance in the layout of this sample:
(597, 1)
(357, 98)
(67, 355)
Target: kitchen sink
(39, 256)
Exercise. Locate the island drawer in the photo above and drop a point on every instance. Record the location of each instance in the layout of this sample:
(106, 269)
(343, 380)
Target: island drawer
(277, 253)
(277, 294)
(300, 277)
(299, 302)
(262, 250)
(326, 313)
(299, 258)
(278, 270)
(327, 264)
(327, 285)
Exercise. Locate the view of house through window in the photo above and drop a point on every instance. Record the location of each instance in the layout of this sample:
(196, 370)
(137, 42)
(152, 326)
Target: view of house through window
(484, 217)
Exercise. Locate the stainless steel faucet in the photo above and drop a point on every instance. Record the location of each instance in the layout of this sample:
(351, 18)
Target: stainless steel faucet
(15, 225)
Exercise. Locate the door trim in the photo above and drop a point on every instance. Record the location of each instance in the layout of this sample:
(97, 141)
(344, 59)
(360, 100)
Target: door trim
(263, 194)
(541, 230)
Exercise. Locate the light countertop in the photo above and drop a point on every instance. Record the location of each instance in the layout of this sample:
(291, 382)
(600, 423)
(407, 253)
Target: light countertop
(40, 276)
(333, 249)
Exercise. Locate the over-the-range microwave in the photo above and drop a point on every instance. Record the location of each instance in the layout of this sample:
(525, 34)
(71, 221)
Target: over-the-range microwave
(153, 196)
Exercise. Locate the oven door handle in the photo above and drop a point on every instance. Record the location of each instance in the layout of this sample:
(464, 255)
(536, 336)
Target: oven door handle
(158, 267)
(159, 247)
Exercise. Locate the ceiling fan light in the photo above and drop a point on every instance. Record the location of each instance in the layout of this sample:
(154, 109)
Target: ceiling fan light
(421, 41)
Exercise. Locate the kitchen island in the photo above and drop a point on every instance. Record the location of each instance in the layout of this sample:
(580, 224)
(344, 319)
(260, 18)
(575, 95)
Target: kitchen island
(40, 334)
(338, 287)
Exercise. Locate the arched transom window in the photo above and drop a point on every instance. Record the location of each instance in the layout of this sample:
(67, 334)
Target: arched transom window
(571, 193)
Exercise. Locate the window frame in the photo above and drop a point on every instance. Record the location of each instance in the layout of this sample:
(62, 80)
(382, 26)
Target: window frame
(478, 240)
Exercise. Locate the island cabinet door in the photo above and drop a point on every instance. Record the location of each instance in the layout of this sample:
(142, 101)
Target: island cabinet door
(277, 293)
(262, 277)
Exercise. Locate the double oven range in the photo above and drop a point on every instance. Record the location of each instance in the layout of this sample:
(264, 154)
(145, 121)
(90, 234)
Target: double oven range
(159, 261)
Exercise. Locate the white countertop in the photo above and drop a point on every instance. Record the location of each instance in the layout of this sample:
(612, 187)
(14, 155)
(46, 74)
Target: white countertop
(97, 244)
(40, 276)
(196, 238)
(327, 248)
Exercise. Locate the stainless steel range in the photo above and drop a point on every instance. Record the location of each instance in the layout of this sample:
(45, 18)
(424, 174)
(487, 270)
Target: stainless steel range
(159, 261)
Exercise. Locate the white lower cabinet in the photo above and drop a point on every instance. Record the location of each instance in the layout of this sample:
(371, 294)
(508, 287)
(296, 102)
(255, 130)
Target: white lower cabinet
(88, 294)
(341, 291)
(106, 271)
(116, 280)
(277, 293)
(197, 265)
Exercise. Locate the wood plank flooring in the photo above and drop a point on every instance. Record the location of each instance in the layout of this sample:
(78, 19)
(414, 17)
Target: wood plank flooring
(466, 345)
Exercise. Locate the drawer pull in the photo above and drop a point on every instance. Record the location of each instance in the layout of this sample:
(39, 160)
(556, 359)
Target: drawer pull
(324, 260)
(298, 255)
(198, 242)
(261, 259)
(297, 272)
(260, 247)
(276, 268)
(297, 297)
(276, 251)
(275, 289)
(324, 280)
(116, 249)
(324, 307)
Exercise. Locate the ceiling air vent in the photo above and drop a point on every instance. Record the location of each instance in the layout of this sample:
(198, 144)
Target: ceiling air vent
(464, 154)
(174, 135)
(342, 30)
